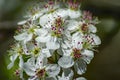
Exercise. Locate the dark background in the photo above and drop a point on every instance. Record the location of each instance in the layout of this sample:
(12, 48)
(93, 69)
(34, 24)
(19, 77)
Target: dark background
(106, 63)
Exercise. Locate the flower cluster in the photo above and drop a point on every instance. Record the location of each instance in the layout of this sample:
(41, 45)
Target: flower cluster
(54, 42)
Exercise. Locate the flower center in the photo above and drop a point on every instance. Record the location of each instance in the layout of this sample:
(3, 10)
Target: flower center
(73, 5)
(31, 30)
(76, 53)
(41, 73)
(88, 41)
(50, 6)
(84, 28)
(36, 51)
(57, 28)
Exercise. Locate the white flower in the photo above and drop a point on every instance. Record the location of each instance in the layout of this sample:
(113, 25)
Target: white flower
(74, 54)
(23, 38)
(45, 37)
(91, 41)
(81, 26)
(40, 69)
(73, 10)
(53, 34)
(16, 52)
(80, 62)
(39, 51)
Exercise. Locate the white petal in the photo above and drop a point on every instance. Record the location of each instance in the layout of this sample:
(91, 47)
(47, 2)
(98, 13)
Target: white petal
(96, 39)
(28, 37)
(10, 65)
(80, 78)
(77, 36)
(87, 55)
(51, 78)
(52, 70)
(72, 25)
(41, 32)
(62, 13)
(46, 52)
(33, 78)
(25, 49)
(80, 66)
(67, 52)
(92, 28)
(68, 73)
(74, 14)
(37, 15)
(53, 43)
(67, 34)
(23, 37)
(21, 62)
(63, 78)
(77, 41)
(46, 20)
(43, 39)
(22, 22)
(28, 69)
(21, 74)
(31, 61)
(41, 61)
(67, 44)
(66, 62)
(12, 58)
(60, 52)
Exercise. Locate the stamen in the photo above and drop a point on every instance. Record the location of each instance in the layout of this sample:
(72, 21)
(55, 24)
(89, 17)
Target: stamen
(40, 73)
(87, 15)
(17, 72)
(76, 53)
(57, 27)
(73, 5)
(50, 6)
(84, 28)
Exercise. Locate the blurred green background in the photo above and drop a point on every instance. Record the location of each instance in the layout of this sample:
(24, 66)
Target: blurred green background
(106, 63)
